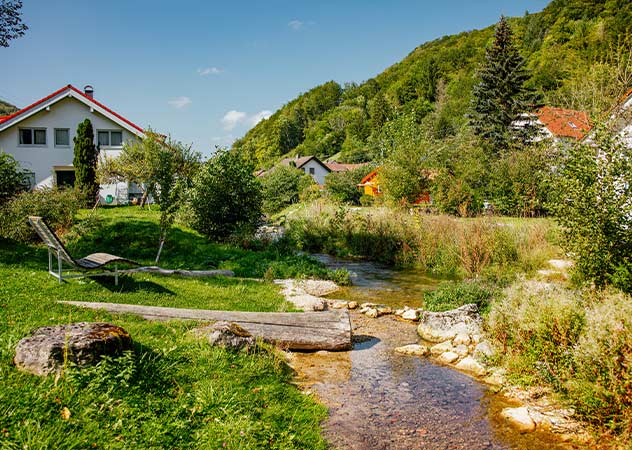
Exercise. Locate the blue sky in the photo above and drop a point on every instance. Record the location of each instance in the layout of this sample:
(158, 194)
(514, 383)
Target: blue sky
(206, 71)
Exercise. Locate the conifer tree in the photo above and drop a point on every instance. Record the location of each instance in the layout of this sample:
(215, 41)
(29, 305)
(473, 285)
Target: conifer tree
(86, 156)
(501, 97)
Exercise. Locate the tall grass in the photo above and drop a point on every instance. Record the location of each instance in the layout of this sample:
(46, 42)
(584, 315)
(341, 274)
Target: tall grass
(577, 342)
(442, 245)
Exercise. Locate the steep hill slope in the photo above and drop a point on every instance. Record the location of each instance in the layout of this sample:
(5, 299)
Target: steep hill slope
(574, 49)
(7, 108)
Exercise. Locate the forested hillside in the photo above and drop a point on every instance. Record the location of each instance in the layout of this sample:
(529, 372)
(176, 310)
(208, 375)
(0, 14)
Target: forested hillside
(576, 52)
(6, 108)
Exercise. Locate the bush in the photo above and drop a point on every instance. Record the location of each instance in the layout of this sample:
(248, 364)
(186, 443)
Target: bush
(451, 295)
(226, 197)
(10, 177)
(343, 186)
(57, 206)
(282, 187)
(594, 208)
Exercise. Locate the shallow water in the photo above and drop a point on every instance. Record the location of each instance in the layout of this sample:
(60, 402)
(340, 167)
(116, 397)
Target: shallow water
(382, 400)
(375, 283)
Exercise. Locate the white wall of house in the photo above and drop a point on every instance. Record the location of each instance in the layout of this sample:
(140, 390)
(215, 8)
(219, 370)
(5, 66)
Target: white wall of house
(43, 160)
(316, 170)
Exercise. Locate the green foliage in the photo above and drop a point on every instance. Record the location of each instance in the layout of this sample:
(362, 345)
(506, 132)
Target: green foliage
(592, 204)
(57, 206)
(282, 186)
(11, 177)
(226, 196)
(501, 96)
(343, 186)
(453, 294)
(86, 157)
(11, 25)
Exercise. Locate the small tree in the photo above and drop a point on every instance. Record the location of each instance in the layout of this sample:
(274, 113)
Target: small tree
(11, 26)
(593, 203)
(86, 157)
(11, 177)
(501, 97)
(226, 196)
(343, 186)
(282, 187)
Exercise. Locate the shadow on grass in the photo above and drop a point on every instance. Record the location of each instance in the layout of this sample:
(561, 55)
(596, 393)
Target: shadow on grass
(14, 253)
(127, 284)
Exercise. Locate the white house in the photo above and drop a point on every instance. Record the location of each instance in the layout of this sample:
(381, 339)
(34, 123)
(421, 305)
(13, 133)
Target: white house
(310, 165)
(40, 138)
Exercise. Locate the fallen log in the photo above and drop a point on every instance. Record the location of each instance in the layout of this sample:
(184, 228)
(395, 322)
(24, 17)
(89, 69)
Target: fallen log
(180, 272)
(327, 330)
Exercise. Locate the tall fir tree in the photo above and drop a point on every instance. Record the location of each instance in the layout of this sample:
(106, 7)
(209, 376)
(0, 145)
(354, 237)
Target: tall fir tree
(502, 97)
(86, 157)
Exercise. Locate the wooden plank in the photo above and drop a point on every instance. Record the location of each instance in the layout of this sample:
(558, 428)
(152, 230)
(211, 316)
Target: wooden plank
(327, 330)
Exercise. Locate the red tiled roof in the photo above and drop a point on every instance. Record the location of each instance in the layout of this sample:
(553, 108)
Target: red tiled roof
(72, 88)
(565, 122)
(340, 167)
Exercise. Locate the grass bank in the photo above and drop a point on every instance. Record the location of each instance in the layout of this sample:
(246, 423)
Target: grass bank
(172, 390)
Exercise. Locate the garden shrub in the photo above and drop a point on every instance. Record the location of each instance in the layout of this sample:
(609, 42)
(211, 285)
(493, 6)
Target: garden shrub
(11, 177)
(226, 197)
(57, 206)
(282, 187)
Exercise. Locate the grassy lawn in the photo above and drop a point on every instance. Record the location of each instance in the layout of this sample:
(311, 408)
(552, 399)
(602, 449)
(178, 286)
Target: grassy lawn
(173, 390)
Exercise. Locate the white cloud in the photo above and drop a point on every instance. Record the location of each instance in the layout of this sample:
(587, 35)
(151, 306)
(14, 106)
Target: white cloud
(233, 118)
(258, 117)
(180, 102)
(209, 71)
(295, 25)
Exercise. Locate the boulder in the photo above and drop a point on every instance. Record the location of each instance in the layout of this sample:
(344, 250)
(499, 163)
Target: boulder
(339, 304)
(444, 326)
(472, 366)
(49, 349)
(383, 310)
(318, 288)
(462, 339)
(448, 357)
(483, 350)
(413, 350)
(519, 418)
(352, 305)
(372, 312)
(443, 347)
(228, 335)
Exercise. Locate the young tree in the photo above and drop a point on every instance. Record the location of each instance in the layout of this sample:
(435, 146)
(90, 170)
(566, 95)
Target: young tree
(86, 157)
(226, 196)
(593, 203)
(501, 97)
(11, 26)
(282, 186)
(343, 186)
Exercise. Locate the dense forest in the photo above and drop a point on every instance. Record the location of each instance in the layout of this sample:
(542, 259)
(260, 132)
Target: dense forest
(6, 108)
(577, 53)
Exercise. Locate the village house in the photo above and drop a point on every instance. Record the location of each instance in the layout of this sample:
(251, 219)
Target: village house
(313, 166)
(40, 138)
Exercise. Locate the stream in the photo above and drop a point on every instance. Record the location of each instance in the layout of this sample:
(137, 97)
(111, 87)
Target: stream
(378, 399)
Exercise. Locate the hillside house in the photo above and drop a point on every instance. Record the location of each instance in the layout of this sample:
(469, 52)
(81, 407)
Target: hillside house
(562, 124)
(40, 138)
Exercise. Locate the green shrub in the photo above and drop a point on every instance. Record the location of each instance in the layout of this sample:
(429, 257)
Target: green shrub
(343, 186)
(226, 197)
(451, 295)
(282, 187)
(57, 206)
(537, 326)
(601, 385)
(10, 177)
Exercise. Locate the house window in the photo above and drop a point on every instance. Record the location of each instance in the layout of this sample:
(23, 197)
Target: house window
(311, 171)
(62, 137)
(32, 136)
(107, 138)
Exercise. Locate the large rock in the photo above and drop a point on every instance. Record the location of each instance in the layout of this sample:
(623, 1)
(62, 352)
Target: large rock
(519, 418)
(472, 366)
(448, 357)
(445, 326)
(443, 347)
(49, 349)
(228, 335)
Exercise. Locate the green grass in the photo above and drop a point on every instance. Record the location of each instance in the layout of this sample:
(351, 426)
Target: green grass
(173, 390)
